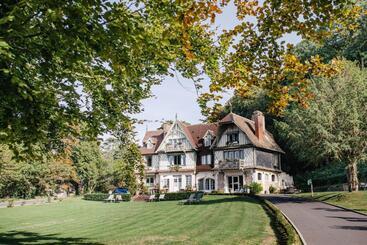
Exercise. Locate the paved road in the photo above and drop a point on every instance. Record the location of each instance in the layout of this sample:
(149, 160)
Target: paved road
(321, 223)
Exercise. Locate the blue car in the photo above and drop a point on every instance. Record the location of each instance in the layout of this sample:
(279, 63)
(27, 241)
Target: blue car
(121, 191)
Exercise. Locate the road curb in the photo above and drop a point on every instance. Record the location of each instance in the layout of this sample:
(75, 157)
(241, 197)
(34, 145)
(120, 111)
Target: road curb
(337, 206)
(294, 226)
(334, 205)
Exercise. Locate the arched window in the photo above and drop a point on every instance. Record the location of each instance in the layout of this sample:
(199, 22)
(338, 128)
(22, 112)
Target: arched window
(273, 177)
(209, 184)
(206, 184)
(259, 176)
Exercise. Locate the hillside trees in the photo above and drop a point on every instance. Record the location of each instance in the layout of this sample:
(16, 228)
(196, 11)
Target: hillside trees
(334, 126)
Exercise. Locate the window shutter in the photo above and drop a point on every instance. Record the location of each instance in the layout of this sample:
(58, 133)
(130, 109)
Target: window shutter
(209, 159)
(170, 160)
(183, 157)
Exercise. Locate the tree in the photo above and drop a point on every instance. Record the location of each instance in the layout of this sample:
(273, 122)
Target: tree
(348, 43)
(69, 63)
(89, 164)
(334, 126)
(254, 53)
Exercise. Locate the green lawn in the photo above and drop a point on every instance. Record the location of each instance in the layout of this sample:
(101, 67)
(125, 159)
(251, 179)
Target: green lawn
(352, 200)
(219, 219)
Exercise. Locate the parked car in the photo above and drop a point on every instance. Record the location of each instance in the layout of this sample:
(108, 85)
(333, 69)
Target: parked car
(121, 191)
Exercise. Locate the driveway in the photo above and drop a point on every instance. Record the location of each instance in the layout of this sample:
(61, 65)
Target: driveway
(321, 223)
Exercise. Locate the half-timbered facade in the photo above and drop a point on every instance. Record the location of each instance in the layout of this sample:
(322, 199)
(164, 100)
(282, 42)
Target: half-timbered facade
(221, 156)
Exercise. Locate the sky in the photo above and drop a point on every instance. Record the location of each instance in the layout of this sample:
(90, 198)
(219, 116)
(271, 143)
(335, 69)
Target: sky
(177, 95)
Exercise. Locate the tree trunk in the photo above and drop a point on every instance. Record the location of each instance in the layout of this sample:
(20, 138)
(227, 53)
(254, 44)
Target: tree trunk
(352, 175)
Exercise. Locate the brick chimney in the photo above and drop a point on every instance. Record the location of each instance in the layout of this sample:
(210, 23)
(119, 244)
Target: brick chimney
(166, 126)
(259, 120)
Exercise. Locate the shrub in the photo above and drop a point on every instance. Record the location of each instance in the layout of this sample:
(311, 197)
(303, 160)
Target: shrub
(102, 196)
(10, 203)
(255, 188)
(177, 195)
(272, 189)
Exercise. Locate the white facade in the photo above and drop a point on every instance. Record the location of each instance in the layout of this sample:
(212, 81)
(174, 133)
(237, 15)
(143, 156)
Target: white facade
(237, 162)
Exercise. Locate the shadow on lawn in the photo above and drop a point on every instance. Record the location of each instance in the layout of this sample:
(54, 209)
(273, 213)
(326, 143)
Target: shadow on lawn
(25, 237)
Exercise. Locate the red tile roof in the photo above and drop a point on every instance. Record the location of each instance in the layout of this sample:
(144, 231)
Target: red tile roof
(248, 127)
(196, 132)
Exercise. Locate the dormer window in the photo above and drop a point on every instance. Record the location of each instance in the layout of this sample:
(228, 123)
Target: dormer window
(232, 137)
(149, 144)
(208, 140)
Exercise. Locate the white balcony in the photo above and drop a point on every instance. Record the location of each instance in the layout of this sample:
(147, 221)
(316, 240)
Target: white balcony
(235, 164)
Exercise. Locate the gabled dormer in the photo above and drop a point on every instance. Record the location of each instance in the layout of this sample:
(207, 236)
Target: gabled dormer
(208, 138)
(178, 138)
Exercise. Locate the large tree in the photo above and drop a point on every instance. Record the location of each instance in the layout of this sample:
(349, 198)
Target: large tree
(69, 63)
(255, 51)
(334, 126)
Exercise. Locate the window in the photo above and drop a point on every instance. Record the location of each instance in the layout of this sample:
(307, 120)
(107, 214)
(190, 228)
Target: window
(149, 144)
(176, 143)
(206, 184)
(188, 181)
(209, 184)
(206, 159)
(232, 137)
(150, 181)
(149, 161)
(166, 183)
(177, 182)
(177, 159)
(201, 184)
(208, 140)
(259, 176)
(273, 177)
(232, 155)
(235, 183)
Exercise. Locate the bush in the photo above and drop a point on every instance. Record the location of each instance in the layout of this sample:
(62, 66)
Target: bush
(255, 188)
(177, 195)
(102, 196)
(272, 189)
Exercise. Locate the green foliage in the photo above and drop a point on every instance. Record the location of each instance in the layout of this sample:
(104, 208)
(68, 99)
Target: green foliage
(255, 188)
(28, 178)
(102, 196)
(348, 43)
(83, 67)
(272, 189)
(333, 127)
(128, 167)
(177, 195)
(89, 164)
(328, 177)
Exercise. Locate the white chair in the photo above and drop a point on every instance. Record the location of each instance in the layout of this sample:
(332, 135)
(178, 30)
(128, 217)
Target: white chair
(161, 197)
(110, 198)
(118, 198)
(151, 198)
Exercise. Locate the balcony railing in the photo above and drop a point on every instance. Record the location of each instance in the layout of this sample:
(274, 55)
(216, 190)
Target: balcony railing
(235, 164)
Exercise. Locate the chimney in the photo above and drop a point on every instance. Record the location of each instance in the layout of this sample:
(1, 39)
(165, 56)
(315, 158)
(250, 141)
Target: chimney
(166, 126)
(259, 120)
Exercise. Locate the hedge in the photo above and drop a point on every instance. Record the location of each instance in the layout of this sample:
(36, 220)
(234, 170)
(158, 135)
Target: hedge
(102, 196)
(284, 230)
(177, 195)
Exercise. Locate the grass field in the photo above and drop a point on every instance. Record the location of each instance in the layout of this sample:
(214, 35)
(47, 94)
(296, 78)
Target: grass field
(352, 200)
(219, 219)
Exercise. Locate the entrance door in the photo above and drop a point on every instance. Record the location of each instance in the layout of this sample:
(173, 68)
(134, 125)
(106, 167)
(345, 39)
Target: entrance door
(177, 183)
(235, 183)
